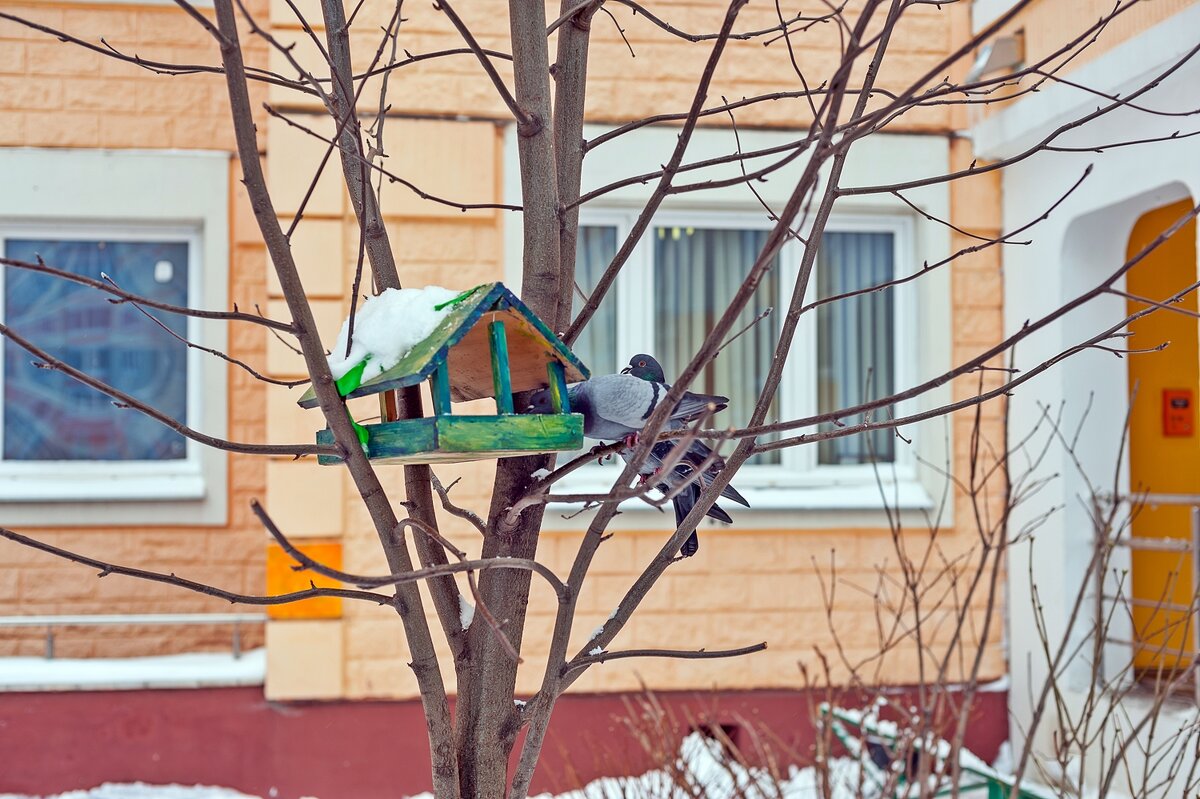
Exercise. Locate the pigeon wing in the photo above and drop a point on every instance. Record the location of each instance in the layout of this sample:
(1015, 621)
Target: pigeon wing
(624, 400)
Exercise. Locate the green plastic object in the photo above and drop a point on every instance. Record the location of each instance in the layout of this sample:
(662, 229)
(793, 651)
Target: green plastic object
(976, 780)
(352, 379)
(458, 299)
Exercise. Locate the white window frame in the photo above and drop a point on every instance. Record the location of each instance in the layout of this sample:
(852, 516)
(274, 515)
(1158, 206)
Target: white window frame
(129, 196)
(829, 496)
(799, 468)
(49, 481)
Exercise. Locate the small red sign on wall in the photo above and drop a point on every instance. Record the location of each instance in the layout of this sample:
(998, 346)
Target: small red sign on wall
(1179, 412)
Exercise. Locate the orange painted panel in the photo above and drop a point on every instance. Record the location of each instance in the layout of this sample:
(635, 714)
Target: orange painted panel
(282, 578)
(1164, 454)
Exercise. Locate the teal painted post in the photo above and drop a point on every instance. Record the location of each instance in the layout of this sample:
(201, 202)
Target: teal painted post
(440, 386)
(558, 387)
(500, 376)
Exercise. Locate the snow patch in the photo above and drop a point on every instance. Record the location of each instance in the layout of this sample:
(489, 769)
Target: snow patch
(711, 776)
(596, 633)
(466, 611)
(387, 327)
(599, 650)
(701, 763)
(540, 474)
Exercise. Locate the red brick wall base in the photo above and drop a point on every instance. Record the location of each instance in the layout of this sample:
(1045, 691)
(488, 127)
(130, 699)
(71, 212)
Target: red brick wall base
(52, 742)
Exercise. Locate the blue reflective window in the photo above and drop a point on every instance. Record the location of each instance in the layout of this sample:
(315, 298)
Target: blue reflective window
(49, 416)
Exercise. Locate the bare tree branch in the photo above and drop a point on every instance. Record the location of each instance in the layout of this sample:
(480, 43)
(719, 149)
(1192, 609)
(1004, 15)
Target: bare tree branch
(122, 400)
(191, 585)
(125, 296)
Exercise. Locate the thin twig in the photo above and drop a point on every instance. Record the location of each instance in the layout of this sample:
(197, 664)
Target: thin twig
(47, 361)
(191, 585)
(125, 296)
(191, 345)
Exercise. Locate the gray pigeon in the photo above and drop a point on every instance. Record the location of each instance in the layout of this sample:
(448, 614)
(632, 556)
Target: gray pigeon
(616, 407)
(645, 367)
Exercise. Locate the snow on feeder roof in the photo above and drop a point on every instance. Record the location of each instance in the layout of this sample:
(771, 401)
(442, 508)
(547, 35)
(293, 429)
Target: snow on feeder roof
(481, 343)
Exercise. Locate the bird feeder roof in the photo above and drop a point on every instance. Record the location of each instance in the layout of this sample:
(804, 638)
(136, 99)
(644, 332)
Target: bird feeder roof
(461, 340)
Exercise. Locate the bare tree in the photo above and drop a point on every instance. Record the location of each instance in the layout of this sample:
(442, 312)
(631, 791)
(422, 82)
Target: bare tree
(546, 96)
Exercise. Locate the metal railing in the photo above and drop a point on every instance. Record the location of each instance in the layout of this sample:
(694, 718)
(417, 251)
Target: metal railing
(53, 623)
(1190, 545)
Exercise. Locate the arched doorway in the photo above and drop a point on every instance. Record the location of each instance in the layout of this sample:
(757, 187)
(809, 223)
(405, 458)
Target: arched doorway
(1164, 443)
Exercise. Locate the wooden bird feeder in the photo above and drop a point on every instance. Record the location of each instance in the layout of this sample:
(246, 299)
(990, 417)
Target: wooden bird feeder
(489, 345)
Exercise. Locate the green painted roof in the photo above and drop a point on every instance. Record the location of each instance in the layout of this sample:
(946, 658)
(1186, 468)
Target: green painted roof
(421, 361)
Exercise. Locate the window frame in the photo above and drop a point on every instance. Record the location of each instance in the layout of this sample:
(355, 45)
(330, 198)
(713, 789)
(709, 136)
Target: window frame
(917, 483)
(799, 469)
(69, 480)
(131, 195)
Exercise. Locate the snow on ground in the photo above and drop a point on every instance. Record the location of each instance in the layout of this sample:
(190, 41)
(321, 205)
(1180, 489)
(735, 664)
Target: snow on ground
(195, 670)
(710, 776)
(386, 327)
(700, 772)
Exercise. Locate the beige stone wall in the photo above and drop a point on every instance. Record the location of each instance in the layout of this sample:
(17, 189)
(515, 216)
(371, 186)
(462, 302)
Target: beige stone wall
(747, 585)
(662, 76)
(54, 94)
(1049, 25)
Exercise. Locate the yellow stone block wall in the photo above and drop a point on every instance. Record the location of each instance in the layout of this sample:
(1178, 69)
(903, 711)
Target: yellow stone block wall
(747, 584)
(54, 94)
(661, 76)
(1049, 26)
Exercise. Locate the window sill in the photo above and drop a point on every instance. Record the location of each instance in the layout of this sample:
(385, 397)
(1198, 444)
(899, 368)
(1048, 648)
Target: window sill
(798, 506)
(64, 499)
(66, 487)
(200, 670)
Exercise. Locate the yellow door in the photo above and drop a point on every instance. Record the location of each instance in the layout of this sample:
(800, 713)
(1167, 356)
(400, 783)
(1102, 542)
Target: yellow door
(1164, 456)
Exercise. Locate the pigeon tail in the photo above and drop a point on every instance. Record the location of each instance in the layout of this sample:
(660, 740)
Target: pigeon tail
(692, 406)
(733, 495)
(684, 501)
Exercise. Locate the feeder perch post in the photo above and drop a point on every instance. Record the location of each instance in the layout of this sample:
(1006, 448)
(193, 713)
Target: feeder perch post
(500, 376)
(441, 390)
(389, 406)
(558, 387)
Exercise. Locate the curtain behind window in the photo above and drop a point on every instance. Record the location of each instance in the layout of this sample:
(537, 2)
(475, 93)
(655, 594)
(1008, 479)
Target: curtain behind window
(697, 271)
(594, 251)
(49, 416)
(855, 352)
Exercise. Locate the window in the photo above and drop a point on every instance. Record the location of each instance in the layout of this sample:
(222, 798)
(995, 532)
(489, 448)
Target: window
(48, 416)
(694, 255)
(67, 454)
(682, 276)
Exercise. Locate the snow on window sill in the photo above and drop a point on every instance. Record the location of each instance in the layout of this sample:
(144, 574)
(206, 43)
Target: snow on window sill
(198, 670)
(781, 507)
(115, 487)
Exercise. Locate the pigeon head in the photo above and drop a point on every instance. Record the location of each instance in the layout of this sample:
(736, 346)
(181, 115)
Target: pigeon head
(540, 402)
(645, 367)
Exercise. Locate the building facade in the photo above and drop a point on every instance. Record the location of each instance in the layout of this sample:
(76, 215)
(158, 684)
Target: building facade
(1114, 569)
(103, 155)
